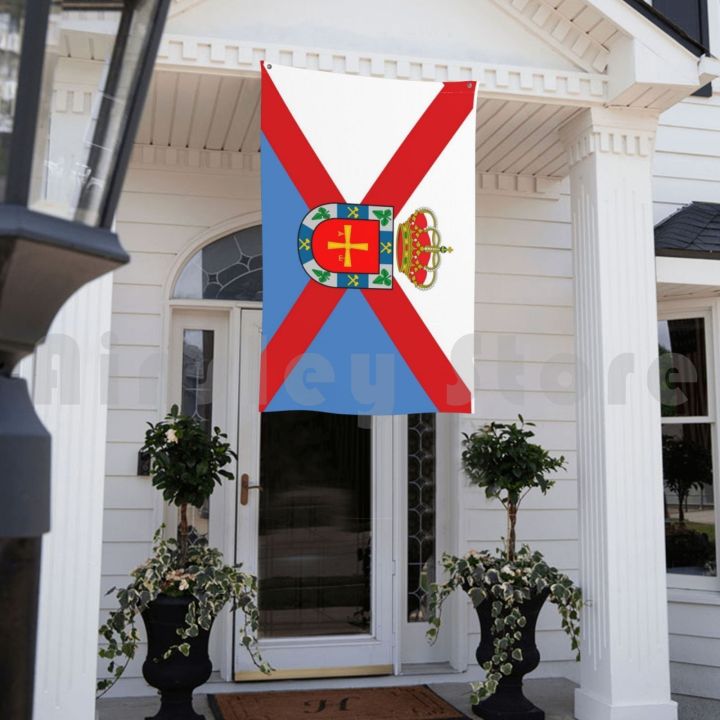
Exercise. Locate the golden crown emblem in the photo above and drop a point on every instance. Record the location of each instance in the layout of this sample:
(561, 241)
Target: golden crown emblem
(419, 248)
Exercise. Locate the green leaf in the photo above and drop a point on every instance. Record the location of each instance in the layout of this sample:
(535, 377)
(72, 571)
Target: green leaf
(322, 275)
(383, 216)
(321, 214)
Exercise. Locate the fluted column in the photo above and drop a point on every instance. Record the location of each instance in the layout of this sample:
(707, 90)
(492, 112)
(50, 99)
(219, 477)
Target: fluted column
(69, 391)
(625, 663)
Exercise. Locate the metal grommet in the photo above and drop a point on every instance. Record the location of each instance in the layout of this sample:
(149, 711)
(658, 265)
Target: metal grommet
(469, 84)
(269, 66)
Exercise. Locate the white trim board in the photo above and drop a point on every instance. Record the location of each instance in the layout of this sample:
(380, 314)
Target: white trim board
(137, 687)
(687, 271)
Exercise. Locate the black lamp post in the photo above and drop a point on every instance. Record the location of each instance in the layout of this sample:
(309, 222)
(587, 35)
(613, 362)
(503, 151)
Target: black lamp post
(60, 180)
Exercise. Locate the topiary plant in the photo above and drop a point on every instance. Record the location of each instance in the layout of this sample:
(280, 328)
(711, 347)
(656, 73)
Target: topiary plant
(501, 459)
(186, 464)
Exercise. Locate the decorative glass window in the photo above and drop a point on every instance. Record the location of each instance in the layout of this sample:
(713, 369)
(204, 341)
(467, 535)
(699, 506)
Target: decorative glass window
(227, 269)
(421, 514)
(687, 446)
(197, 381)
(197, 390)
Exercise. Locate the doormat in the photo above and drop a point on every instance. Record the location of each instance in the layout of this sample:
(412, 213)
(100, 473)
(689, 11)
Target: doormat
(416, 702)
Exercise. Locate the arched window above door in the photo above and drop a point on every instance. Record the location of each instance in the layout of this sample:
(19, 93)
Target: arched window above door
(227, 269)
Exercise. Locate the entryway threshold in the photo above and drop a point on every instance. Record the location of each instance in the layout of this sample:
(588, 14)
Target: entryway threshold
(414, 669)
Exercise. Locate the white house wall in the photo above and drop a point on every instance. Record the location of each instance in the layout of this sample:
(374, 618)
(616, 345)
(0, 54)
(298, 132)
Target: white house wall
(524, 346)
(687, 158)
(524, 365)
(524, 352)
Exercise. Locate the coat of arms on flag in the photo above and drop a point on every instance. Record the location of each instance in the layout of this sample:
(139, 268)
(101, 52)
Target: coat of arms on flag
(368, 200)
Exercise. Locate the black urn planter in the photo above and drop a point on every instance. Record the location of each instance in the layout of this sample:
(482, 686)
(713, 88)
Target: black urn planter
(508, 701)
(178, 676)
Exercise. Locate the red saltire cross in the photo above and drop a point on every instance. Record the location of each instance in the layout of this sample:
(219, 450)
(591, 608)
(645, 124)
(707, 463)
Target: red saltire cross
(395, 184)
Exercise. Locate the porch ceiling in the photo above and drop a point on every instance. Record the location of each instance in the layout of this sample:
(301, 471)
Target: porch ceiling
(220, 112)
(677, 291)
(516, 138)
(202, 112)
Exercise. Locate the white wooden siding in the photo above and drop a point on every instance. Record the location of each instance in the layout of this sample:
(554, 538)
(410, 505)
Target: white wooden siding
(687, 158)
(525, 365)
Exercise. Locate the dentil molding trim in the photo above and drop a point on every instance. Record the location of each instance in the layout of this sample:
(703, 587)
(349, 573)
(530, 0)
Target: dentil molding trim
(546, 188)
(181, 53)
(157, 156)
(611, 140)
(604, 130)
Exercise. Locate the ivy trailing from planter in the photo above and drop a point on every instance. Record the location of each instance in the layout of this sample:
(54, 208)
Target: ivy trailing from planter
(501, 459)
(509, 583)
(187, 462)
(202, 574)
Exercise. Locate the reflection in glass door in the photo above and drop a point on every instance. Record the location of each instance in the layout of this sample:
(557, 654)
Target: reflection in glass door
(315, 525)
(198, 385)
(318, 534)
(196, 402)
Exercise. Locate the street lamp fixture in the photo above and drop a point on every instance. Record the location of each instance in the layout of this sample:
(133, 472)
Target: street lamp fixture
(74, 76)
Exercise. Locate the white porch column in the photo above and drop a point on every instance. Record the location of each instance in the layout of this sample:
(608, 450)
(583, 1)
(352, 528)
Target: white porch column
(625, 664)
(69, 391)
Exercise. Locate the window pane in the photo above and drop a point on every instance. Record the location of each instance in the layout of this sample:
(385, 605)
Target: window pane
(11, 26)
(197, 389)
(77, 138)
(421, 514)
(689, 499)
(228, 269)
(314, 564)
(683, 371)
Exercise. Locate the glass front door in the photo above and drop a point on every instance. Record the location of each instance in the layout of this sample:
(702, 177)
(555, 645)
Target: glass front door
(315, 525)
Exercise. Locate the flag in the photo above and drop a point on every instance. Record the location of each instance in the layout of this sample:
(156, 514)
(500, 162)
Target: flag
(368, 205)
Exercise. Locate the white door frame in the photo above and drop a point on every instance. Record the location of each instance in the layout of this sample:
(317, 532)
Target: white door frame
(409, 644)
(325, 655)
(223, 318)
(413, 647)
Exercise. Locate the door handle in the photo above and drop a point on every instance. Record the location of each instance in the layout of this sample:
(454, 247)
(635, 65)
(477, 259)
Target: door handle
(245, 488)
